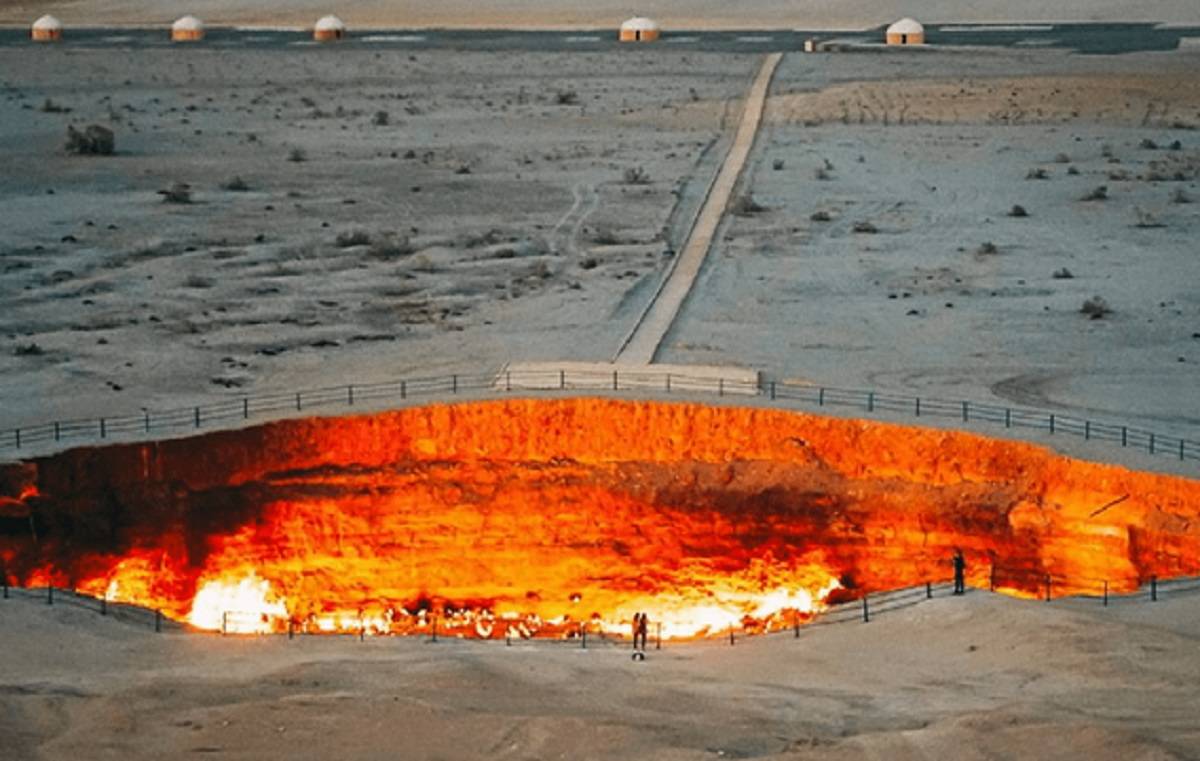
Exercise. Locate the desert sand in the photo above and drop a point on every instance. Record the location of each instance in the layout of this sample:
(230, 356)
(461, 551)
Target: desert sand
(974, 677)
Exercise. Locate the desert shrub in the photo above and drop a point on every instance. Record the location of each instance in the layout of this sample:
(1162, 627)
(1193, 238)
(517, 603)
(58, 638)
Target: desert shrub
(1037, 173)
(1106, 151)
(463, 169)
(1146, 218)
(297, 155)
(29, 350)
(1018, 211)
(605, 237)
(235, 184)
(590, 263)
(1148, 145)
(179, 192)
(777, 164)
(988, 248)
(1097, 194)
(821, 216)
(865, 227)
(822, 174)
(1118, 175)
(1062, 274)
(1180, 196)
(1072, 170)
(391, 247)
(352, 238)
(198, 281)
(94, 140)
(50, 107)
(1062, 158)
(381, 118)
(745, 206)
(1096, 308)
(1175, 146)
(566, 97)
(636, 175)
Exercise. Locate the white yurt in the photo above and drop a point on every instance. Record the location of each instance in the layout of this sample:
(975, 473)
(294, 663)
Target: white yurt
(46, 29)
(640, 29)
(329, 28)
(187, 29)
(906, 31)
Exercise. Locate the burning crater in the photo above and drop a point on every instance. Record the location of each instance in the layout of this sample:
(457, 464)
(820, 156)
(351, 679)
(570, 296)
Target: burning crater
(544, 516)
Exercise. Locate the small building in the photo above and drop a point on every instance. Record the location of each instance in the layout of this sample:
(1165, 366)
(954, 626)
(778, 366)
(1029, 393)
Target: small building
(640, 29)
(187, 29)
(46, 29)
(906, 31)
(329, 28)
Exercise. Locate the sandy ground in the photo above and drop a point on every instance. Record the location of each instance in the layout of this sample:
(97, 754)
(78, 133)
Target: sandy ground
(935, 165)
(496, 221)
(674, 14)
(974, 678)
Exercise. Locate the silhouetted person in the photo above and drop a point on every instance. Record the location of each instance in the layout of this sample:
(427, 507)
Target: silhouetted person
(960, 568)
(637, 627)
(643, 627)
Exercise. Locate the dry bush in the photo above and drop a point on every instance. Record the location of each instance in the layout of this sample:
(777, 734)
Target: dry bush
(1180, 196)
(777, 164)
(1096, 308)
(865, 227)
(50, 107)
(1018, 211)
(987, 248)
(297, 155)
(1096, 194)
(381, 118)
(1148, 145)
(1037, 173)
(566, 97)
(352, 238)
(235, 185)
(590, 263)
(1146, 219)
(636, 175)
(179, 192)
(745, 206)
(29, 350)
(1062, 274)
(389, 247)
(94, 140)
(1072, 170)
(821, 216)
(1062, 158)
(198, 281)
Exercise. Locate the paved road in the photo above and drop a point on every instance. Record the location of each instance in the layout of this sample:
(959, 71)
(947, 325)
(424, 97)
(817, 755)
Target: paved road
(643, 343)
(1084, 38)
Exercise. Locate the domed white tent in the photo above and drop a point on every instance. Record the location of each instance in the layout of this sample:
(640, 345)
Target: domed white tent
(187, 29)
(640, 29)
(46, 29)
(329, 28)
(906, 31)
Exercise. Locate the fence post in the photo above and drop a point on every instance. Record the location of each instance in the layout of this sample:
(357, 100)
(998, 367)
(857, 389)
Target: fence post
(928, 590)
(350, 394)
(966, 412)
(454, 383)
(1087, 430)
(1007, 418)
(615, 383)
(17, 433)
(1047, 587)
(403, 389)
(245, 408)
(56, 435)
(104, 603)
(668, 383)
(224, 621)
(298, 404)
(1152, 443)
(821, 397)
(508, 380)
(1124, 435)
(562, 380)
(158, 621)
(992, 579)
(50, 594)
(583, 635)
(658, 635)
(1051, 422)
(146, 418)
(731, 639)
(507, 636)
(773, 399)
(291, 628)
(917, 407)
(1181, 449)
(866, 610)
(1153, 589)
(197, 416)
(435, 628)
(796, 625)
(1106, 594)
(102, 428)
(870, 401)
(720, 387)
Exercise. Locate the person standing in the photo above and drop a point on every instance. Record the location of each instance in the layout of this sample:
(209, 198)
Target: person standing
(960, 571)
(643, 628)
(637, 627)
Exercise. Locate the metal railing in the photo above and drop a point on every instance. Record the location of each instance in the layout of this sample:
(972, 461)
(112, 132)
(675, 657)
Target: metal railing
(641, 382)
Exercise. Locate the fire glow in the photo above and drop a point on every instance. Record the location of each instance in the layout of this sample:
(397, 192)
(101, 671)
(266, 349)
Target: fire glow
(550, 518)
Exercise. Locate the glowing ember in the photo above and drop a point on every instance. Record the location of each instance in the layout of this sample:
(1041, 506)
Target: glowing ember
(526, 518)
